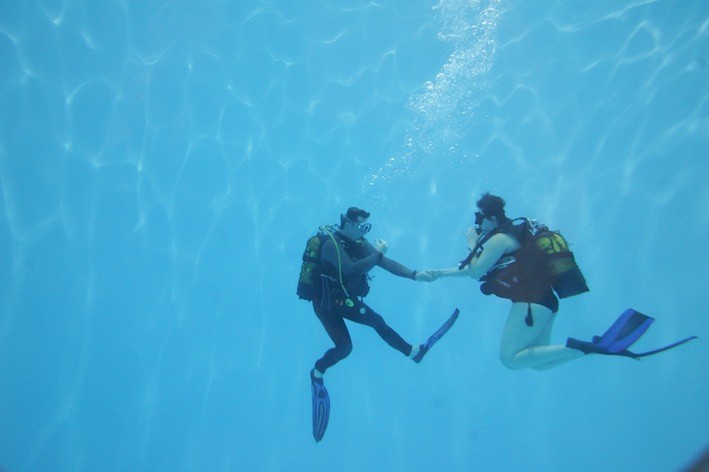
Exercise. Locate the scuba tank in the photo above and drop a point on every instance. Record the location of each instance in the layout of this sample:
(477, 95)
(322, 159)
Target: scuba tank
(310, 267)
(565, 275)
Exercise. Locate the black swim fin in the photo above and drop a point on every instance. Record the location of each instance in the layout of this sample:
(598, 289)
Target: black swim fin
(627, 329)
(321, 406)
(433, 339)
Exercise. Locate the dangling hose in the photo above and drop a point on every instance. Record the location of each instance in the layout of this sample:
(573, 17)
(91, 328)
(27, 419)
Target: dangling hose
(529, 320)
(348, 300)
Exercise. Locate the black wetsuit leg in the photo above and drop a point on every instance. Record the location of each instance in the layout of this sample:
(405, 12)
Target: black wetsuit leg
(332, 311)
(363, 314)
(335, 327)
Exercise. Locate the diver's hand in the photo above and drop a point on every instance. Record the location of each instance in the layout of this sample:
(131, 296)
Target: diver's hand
(471, 236)
(381, 246)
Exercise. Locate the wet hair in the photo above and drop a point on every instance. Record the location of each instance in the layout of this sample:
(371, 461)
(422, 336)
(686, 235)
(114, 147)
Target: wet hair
(353, 214)
(492, 205)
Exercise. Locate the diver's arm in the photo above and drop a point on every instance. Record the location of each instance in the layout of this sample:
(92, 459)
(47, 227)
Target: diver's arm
(452, 272)
(380, 246)
(396, 268)
(345, 263)
(388, 264)
(493, 249)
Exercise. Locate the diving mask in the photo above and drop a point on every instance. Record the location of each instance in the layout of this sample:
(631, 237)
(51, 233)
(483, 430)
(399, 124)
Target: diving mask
(364, 228)
(355, 231)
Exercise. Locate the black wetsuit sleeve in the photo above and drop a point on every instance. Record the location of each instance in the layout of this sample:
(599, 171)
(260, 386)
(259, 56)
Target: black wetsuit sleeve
(396, 268)
(392, 266)
(349, 267)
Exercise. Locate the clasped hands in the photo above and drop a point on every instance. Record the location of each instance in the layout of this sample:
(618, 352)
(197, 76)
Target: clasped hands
(427, 275)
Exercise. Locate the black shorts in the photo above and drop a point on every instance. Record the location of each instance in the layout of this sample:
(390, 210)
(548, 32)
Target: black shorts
(540, 297)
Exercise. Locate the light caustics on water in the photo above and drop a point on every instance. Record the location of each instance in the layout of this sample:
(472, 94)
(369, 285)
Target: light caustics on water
(446, 106)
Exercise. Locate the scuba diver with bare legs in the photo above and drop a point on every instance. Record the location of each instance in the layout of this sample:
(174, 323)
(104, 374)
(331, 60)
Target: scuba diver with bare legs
(523, 261)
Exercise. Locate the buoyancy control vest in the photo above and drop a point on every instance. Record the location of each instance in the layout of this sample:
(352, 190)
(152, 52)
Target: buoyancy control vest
(543, 260)
(313, 268)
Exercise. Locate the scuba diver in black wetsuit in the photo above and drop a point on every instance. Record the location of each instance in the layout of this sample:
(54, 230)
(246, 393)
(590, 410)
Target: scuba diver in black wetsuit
(526, 263)
(346, 258)
(341, 257)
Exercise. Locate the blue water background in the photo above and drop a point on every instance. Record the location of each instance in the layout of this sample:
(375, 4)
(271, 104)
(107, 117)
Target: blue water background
(163, 162)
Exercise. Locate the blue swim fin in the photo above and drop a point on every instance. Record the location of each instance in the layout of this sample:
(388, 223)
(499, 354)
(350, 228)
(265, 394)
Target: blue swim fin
(660, 349)
(627, 329)
(321, 406)
(433, 339)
